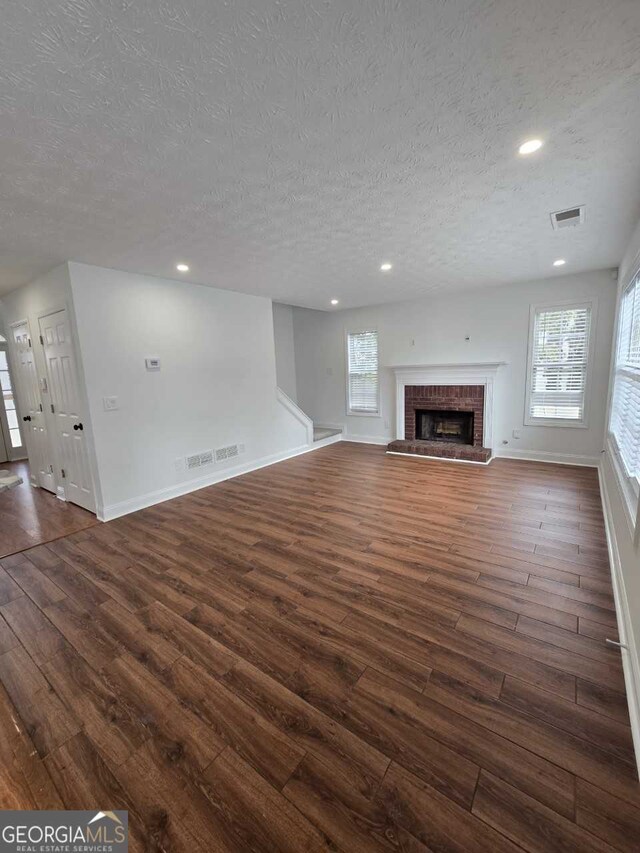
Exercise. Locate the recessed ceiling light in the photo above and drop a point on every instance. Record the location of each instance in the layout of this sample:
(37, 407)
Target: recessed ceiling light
(182, 267)
(385, 267)
(559, 263)
(334, 301)
(530, 146)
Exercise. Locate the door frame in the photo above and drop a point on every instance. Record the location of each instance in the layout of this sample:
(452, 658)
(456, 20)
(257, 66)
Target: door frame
(13, 454)
(53, 456)
(65, 305)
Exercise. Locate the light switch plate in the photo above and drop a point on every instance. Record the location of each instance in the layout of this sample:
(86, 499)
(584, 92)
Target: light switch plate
(152, 363)
(110, 403)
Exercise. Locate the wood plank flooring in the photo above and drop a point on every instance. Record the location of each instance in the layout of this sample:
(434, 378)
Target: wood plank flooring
(346, 651)
(30, 517)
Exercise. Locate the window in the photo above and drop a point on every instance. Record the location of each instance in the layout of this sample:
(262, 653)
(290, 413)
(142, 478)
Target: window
(558, 366)
(362, 373)
(624, 422)
(9, 400)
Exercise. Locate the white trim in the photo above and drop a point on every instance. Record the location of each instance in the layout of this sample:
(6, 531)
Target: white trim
(482, 366)
(367, 439)
(619, 367)
(583, 422)
(480, 373)
(438, 458)
(111, 511)
(50, 459)
(630, 661)
(547, 456)
(626, 489)
(629, 493)
(323, 442)
(295, 410)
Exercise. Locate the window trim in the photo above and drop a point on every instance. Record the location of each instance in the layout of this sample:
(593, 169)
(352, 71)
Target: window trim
(534, 309)
(631, 479)
(628, 487)
(628, 484)
(356, 413)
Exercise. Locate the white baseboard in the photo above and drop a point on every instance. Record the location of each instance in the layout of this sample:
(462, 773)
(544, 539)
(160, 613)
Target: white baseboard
(323, 442)
(367, 439)
(111, 511)
(546, 456)
(630, 660)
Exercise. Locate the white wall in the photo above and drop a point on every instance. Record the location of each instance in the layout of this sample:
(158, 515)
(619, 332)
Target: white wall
(625, 542)
(216, 386)
(433, 331)
(285, 353)
(50, 291)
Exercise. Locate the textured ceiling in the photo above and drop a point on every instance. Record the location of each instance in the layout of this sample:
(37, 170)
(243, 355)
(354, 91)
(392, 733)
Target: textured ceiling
(287, 147)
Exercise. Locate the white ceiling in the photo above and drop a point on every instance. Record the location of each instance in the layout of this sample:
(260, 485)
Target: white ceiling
(288, 147)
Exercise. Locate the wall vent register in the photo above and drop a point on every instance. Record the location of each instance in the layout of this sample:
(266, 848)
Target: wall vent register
(227, 452)
(208, 457)
(197, 460)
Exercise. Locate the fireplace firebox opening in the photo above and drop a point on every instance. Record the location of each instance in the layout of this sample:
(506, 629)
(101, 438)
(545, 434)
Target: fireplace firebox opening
(444, 425)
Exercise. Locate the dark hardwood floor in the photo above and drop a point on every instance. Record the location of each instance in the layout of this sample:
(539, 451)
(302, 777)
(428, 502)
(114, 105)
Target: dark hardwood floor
(346, 651)
(31, 516)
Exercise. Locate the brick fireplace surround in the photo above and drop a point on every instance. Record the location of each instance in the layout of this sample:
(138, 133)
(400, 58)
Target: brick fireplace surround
(460, 398)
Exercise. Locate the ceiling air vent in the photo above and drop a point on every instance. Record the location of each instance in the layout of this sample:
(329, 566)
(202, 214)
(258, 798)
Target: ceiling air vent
(567, 218)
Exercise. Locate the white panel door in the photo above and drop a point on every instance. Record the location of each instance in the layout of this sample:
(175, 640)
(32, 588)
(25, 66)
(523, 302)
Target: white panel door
(34, 426)
(64, 396)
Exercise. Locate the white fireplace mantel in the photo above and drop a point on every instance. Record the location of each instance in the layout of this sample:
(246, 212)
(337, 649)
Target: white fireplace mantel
(472, 373)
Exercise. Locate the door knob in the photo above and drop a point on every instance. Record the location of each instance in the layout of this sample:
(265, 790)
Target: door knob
(27, 418)
(78, 426)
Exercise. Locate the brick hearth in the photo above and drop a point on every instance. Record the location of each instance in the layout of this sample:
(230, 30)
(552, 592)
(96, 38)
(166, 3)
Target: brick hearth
(459, 398)
(441, 449)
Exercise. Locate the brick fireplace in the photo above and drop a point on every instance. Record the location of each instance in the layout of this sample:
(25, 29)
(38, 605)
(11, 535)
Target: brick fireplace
(451, 398)
(439, 416)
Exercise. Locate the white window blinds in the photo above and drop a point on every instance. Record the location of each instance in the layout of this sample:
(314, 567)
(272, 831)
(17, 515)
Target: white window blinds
(362, 358)
(625, 407)
(559, 357)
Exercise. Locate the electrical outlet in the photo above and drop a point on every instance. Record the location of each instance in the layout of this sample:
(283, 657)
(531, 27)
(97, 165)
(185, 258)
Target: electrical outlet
(110, 403)
(516, 433)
